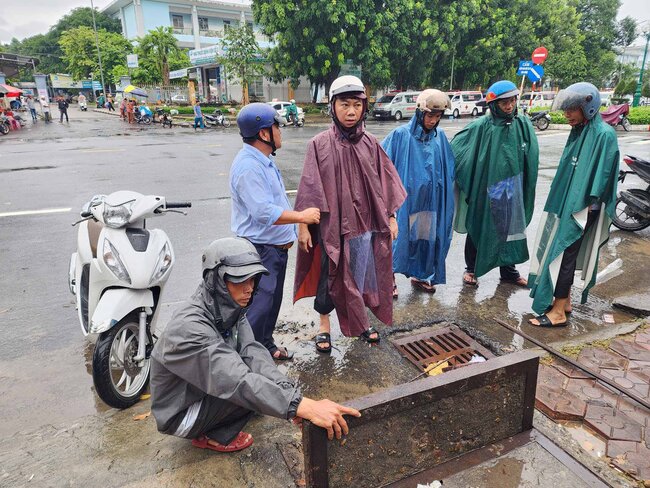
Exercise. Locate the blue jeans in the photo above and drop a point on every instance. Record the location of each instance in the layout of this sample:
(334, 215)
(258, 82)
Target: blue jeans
(33, 112)
(198, 121)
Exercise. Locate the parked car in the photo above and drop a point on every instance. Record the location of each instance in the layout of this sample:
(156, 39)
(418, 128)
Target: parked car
(179, 98)
(395, 106)
(281, 109)
(464, 103)
(539, 99)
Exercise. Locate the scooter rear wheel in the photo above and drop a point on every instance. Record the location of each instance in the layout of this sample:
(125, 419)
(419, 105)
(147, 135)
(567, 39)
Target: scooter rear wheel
(624, 219)
(542, 123)
(225, 122)
(626, 124)
(119, 381)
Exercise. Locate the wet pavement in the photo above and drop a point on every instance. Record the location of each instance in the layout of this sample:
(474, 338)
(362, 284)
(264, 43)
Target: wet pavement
(54, 431)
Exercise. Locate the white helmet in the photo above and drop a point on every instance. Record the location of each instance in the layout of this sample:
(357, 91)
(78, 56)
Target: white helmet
(431, 100)
(348, 84)
(292, 101)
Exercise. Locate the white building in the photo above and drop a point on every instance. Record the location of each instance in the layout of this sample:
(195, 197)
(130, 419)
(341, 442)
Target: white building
(199, 26)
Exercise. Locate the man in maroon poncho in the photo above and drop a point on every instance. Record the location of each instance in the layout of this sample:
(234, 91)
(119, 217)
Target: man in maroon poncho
(346, 260)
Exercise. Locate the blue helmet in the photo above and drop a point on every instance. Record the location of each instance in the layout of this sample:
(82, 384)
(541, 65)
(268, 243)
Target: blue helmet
(501, 89)
(579, 95)
(255, 117)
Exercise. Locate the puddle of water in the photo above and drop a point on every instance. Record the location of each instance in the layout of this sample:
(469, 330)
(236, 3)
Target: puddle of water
(591, 444)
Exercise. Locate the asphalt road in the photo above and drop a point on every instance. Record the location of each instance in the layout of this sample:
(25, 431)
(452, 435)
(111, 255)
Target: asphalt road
(50, 171)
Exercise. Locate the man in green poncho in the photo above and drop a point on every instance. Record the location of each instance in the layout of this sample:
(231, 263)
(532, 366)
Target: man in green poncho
(496, 172)
(579, 208)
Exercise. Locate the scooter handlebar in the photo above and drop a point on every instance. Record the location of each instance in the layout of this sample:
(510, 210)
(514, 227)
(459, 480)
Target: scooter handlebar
(178, 205)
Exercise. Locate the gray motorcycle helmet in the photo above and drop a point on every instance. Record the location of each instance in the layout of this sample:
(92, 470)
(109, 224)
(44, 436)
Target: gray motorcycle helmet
(579, 95)
(236, 259)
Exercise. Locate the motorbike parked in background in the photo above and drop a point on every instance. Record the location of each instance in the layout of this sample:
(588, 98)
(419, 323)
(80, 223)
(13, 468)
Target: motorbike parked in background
(616, 115)
(163, 117)
(83, 106)
(633, 206)
(216, 119)
(540, 119)
(117, 275)
(143, 115)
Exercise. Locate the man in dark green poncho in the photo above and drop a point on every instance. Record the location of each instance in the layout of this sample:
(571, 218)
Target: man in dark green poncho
(496, 172)
(579, 208)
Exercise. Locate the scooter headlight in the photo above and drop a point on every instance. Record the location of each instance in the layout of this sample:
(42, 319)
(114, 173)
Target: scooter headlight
(116, 216)
(114, 263)
(163, 264)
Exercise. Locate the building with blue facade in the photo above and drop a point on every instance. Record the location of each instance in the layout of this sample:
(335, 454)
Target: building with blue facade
(199, 26)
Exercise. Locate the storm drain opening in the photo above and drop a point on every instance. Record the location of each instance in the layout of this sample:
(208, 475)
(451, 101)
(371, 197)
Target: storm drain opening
(449, 345)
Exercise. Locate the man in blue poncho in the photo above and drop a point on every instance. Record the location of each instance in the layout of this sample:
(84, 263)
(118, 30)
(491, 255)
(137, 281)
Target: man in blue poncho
(425, 163)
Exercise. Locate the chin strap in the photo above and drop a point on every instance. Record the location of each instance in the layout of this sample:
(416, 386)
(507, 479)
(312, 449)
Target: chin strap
(270, 143)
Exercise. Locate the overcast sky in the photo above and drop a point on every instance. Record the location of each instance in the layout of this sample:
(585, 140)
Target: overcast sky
(24, 18)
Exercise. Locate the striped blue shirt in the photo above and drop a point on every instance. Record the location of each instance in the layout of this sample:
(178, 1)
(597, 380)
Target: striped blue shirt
(258, 199)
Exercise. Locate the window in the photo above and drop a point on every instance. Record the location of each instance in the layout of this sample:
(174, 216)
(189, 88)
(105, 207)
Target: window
(472, 97)
(397, 100)
(203, 23)
(256, 87)
(226, 25)
(177, 21)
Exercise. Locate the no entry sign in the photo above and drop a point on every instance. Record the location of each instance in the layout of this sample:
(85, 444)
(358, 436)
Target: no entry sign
(539, 55)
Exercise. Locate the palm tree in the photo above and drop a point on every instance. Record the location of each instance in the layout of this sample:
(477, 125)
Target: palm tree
(159, 44)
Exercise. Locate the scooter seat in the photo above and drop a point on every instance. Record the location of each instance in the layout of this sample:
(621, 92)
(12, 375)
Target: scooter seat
(94, 229)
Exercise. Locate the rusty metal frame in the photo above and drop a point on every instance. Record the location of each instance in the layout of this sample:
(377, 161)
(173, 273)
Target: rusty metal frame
(495, 450)
(406, 397)
(440, 344)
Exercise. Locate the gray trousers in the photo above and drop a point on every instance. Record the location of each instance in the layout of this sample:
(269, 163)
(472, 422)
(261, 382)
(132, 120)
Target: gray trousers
(219, 420)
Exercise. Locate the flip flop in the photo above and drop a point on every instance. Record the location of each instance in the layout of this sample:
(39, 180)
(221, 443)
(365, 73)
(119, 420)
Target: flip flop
(517, 282)
(367, 333)
(423, 286)
(551, 308)
(242, 441)
(285, 354)
(544, 321)
(472, 282)
(323, 337)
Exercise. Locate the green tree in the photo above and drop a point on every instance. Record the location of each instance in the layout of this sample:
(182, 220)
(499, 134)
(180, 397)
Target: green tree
(626, 31)
(46, 46)
(160, 46)
(314, 37)
(80, 52)
(598, 24)
(243, 58)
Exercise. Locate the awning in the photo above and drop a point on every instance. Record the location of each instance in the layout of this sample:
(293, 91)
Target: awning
(10, 91)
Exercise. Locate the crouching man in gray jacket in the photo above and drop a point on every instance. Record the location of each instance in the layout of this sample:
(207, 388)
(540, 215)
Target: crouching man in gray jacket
(208, 375)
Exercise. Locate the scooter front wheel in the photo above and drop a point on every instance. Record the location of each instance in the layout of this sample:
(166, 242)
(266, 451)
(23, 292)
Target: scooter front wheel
(119, 381)
(146, 120)
(626, 124)
(225, 122)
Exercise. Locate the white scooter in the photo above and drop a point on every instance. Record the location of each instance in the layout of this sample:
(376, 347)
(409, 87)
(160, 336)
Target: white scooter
(117, 275)
(83, 106)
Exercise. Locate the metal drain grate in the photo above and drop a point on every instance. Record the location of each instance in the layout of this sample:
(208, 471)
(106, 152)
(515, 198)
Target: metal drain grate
(449, 343)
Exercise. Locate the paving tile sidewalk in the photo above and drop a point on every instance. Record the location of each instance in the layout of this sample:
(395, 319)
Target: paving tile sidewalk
(565, 393)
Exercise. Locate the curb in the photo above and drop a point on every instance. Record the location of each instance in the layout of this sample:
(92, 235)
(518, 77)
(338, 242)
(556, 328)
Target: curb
(634, 128)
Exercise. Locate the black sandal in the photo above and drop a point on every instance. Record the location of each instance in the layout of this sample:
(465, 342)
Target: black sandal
(323, 337)
(367, 333)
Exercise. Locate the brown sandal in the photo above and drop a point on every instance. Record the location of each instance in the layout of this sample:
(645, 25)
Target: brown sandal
(423, 285)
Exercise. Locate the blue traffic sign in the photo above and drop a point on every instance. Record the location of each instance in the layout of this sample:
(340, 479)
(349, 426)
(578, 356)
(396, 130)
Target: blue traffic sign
(535, 73)
(524, 67)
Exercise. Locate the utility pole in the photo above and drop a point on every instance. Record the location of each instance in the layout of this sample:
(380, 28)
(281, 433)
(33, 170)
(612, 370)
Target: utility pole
(639, 84)
(99, 56)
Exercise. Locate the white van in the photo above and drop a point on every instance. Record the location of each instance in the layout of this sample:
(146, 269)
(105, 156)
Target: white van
(395, 106)
(606, 98)
(464, 103)
(540, 99)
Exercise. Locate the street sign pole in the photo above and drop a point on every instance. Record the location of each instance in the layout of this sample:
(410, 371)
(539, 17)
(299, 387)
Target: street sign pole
(521, 89)
(99, 56)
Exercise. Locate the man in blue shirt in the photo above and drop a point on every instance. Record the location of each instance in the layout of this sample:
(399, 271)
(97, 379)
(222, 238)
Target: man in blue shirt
(261, 213)
(198, 116)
